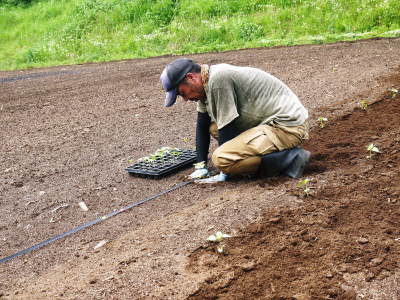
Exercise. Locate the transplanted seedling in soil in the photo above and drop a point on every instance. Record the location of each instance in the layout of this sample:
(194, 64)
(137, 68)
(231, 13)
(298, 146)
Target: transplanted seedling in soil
(322, 121)
(394, 92)
(363, 104)
(218, 237)
(305, 186)
(372, 150)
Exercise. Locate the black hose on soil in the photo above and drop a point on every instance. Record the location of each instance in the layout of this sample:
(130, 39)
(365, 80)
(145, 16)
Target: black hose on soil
(91, 223)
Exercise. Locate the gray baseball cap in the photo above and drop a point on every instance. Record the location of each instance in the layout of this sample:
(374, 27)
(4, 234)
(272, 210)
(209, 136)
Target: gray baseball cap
(172, 75)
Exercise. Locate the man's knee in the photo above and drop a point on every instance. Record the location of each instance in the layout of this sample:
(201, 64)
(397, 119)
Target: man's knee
(245, 166)
(221, 161)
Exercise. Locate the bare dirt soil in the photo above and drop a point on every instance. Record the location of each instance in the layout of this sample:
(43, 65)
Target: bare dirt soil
(349, 223)
(68, 132)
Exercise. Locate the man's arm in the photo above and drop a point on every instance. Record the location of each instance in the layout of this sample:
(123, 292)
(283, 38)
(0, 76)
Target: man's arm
(202, 136)
(227, 133)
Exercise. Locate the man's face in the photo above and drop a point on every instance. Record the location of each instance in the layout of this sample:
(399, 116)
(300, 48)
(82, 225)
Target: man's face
(192, 88)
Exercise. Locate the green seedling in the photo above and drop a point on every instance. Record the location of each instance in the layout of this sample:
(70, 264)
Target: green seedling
(200, 165)
(185, 140)
(160, 153)
(218, 237)
(221, 248)
(304, 185)
(322, 121)
(363, 105)
(394, 92)
(372, 150)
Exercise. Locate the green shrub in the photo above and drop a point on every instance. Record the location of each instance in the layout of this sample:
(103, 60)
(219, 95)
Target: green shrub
(49, 32)
(250, 31)
(162, 12)
(16, 2)
(32, 56)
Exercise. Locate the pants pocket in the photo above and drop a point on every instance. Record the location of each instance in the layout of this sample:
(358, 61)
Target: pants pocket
(259, 142)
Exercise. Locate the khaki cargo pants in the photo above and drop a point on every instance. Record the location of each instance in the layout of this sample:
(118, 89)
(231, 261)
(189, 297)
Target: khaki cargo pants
(242, 155)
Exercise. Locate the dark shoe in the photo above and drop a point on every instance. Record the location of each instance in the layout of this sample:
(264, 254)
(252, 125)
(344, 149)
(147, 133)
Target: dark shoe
(296, 168)
(290, 162)
(275, 163)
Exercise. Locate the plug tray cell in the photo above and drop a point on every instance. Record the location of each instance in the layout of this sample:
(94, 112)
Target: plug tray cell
(163, 166)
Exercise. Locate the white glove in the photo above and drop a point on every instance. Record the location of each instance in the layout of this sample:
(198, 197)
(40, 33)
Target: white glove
(199, 173)
(221, 177)
(201, 170)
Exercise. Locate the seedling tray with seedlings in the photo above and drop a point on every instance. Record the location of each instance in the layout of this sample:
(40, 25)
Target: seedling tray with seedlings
(163, 162)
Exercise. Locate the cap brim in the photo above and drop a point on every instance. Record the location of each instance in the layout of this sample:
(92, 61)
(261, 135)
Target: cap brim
(171, 97)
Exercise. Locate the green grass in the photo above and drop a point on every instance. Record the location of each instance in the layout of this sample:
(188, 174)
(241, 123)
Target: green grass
(54, 32)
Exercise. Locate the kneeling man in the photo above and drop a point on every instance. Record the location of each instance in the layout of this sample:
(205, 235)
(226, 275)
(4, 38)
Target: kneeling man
(258, 121)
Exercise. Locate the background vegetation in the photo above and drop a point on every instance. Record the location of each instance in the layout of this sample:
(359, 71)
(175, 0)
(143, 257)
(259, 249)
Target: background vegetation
(52, 32)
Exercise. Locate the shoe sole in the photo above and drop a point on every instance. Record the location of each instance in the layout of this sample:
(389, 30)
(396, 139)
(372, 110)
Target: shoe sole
(301, 161)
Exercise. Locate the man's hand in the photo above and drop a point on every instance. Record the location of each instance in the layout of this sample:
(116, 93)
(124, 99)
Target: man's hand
(199, 173)
(221, 177)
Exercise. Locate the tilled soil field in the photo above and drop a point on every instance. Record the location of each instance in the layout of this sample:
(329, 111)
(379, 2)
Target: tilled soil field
(348, 225)
(68, 133)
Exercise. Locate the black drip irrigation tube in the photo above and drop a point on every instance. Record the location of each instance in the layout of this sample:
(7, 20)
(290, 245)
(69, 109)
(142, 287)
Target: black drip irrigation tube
(91, 223)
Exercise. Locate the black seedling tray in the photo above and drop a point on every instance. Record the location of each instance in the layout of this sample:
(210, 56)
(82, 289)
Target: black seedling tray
(164, 165)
